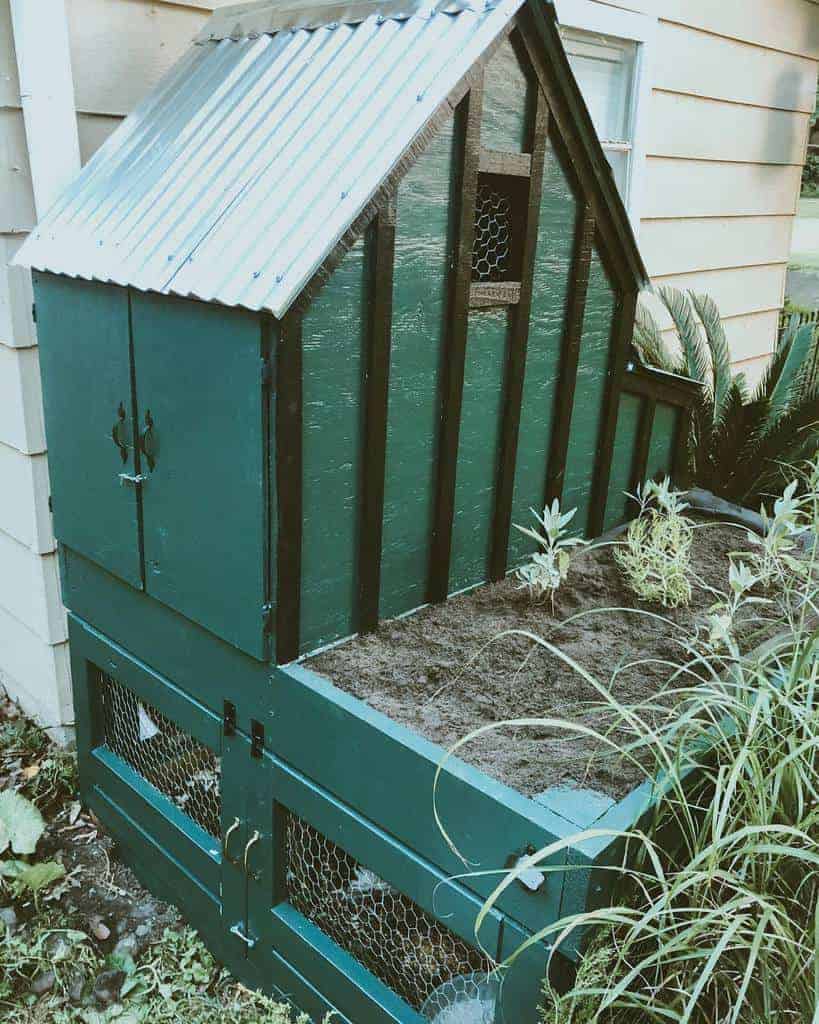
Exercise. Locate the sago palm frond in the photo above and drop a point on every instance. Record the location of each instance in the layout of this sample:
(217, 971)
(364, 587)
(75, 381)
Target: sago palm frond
(718, 345)
(695, 359)
(738, 444)
(649, 341)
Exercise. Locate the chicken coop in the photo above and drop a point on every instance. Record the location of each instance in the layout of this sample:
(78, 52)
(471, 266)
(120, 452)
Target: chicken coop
(350, 292)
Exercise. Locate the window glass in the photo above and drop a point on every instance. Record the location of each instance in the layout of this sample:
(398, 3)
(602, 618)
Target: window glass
(605, 69)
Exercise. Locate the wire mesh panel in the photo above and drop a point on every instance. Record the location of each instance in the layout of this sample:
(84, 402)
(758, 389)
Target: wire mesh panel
(176, 764)
(402, 945)
(492, 248)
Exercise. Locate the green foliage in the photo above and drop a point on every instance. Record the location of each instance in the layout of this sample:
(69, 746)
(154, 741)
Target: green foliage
(655, 558)
(715, 919)
(549, 568)
(21, 824)
(738, 441)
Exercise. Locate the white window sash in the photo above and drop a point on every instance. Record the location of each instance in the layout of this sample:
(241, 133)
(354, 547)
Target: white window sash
(590, 16)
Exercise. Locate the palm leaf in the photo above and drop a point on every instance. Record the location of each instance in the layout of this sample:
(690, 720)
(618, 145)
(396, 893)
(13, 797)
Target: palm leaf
(695, 361)
(718, 345)
(793, 437)
(797, 347)
(649, 341)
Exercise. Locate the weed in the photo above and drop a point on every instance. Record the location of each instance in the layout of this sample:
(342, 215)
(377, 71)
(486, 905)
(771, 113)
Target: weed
(549, 568)
(655, 558)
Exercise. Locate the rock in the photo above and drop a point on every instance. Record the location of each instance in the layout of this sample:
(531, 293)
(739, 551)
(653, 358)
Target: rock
(107, 986)
(143, 931)
(8, 917)
(76, 988)
(127, 946)
(43, 982)
(144, 911)
(99, 929)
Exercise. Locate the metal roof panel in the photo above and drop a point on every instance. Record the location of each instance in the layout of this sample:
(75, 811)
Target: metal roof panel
(234, 180)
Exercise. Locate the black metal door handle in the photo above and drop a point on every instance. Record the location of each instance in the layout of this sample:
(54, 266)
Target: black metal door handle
(147, 440)
(117, 432)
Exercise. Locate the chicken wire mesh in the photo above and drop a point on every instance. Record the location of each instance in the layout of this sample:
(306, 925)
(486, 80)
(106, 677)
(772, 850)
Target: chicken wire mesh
(491, 250)
(406, 948)
(176, 764)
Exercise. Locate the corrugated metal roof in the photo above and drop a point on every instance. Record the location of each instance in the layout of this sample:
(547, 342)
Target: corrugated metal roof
(236, 177)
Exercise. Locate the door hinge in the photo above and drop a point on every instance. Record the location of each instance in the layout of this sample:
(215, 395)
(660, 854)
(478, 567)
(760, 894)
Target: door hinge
(267, 619)
(229, 718)
(34, 312)
(256, 738)
(267, 373)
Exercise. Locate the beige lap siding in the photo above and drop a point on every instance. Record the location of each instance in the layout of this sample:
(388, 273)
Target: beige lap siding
(733, 88)
(119, 49)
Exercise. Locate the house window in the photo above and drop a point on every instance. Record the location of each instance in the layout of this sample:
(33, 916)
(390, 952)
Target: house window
(611, 53)
(605, 69)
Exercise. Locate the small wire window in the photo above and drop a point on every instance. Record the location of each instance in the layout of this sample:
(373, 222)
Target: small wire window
(498, 229)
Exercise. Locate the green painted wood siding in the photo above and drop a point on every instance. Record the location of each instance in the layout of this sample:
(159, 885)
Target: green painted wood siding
(505, 102)
(420, 292)
(86, 366)
(198, 373)
(622, 462)
(479, 446)
(592, 374)
(335, 330)
(550, 288)
(661, 446)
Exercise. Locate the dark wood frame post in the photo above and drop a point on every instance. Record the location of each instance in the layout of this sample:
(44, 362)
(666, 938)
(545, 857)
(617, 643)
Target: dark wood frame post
(455, 350)
(518, 341)
(375, 418)
(642, 444)
(289, 487)
(618, 360)
(572, 336)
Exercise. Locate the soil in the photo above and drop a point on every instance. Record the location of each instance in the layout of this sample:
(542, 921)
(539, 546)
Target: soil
(448, 669)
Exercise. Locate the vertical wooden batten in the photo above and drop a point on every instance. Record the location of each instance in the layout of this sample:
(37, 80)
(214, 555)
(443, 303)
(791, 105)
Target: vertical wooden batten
(620, 347)
(642, 444)
(455, 350)
(375, 418)
(518, 342)
(289, 487)
(573, 333)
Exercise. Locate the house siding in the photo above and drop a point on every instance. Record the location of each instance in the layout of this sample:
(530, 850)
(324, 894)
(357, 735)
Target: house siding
(733, 88)
(119, 50)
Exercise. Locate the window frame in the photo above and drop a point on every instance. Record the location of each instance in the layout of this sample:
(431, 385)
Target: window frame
(591, 16)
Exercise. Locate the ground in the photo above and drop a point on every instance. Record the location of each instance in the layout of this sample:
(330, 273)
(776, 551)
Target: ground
(93, 945)
(803, 270)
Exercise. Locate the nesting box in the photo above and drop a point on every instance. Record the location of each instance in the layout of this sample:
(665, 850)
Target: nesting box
(346, 295)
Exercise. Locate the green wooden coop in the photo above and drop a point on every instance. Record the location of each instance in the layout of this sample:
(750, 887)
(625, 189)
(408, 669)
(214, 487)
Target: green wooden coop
(342, 299)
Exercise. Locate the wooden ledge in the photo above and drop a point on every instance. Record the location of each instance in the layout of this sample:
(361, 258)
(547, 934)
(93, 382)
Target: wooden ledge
(496, 293)
(519, 165)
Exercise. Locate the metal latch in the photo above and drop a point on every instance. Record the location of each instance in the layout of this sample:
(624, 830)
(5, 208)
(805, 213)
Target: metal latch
(229, 718)
(126, 479)
(239, 932)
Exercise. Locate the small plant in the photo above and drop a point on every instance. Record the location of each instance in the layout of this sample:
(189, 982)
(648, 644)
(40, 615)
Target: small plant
(21, 826)
(655, 558)
(549, 568)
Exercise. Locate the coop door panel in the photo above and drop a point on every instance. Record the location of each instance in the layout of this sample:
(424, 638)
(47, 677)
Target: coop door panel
(199, 391)
(86, 368)
(158, 769)
(393, 934)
